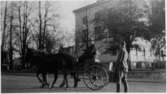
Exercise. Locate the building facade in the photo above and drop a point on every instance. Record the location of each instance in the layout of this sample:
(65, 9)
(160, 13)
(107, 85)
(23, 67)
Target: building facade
(85, 25)
(88, 31)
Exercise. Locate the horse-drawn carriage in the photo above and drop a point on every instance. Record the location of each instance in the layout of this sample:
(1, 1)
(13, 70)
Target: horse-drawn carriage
(95, 75)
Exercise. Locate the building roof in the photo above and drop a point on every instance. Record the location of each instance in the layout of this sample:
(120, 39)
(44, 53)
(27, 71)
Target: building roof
(90, 6)
(103, 2)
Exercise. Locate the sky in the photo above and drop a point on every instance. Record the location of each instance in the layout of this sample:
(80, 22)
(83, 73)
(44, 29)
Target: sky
(67, 17)
(66, 11)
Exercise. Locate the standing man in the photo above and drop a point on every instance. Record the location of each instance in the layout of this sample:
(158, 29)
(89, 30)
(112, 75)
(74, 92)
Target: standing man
(121, 67)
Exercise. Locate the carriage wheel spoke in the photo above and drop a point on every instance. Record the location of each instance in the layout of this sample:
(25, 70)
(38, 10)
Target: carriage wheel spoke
(97, 77)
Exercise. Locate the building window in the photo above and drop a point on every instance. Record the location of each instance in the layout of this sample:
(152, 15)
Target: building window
(84, 36)
(99, 34)
(98, 28)
(85, 19)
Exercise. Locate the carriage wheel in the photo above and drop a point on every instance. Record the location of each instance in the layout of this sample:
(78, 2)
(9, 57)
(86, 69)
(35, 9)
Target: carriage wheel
(96, 77)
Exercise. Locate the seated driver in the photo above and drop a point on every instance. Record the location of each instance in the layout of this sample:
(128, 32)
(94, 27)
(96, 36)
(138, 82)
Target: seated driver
(89, 53)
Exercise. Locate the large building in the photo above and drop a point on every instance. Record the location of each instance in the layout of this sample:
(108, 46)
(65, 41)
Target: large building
(85, 16)
(87, 31)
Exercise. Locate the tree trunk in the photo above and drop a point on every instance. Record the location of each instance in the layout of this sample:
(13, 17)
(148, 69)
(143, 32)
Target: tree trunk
(45, 27)
(25, 33)
(10, 41)
(4, 33)
(23, 30)
(20, 28)
(21, 34)
(40, 28)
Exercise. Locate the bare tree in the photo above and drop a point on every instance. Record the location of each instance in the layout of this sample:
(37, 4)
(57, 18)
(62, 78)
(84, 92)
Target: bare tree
(19, 26)
(44, 25)
(24, 12)
(40, 28)
(4, 56)
(11, 18)
(25, 30)
(4, 26)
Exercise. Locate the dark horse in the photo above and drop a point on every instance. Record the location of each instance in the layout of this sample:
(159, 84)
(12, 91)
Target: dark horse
(52, 63)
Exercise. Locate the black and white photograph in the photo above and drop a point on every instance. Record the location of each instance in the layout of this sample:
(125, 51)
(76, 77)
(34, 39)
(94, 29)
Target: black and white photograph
(83, 46)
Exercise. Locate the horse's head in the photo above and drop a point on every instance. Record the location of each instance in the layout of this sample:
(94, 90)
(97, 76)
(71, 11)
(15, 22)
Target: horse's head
(29, 54)
(91, 50)
(61, 49)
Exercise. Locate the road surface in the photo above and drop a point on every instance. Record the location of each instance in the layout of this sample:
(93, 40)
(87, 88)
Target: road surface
(29, 84)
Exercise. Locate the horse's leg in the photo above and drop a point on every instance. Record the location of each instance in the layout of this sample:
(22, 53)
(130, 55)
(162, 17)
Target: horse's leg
(44, 75)
(63, 83)
(124, 81)
(54, 81)
(39, 79)
(76, 79)
(118, 83)
(66, 81)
